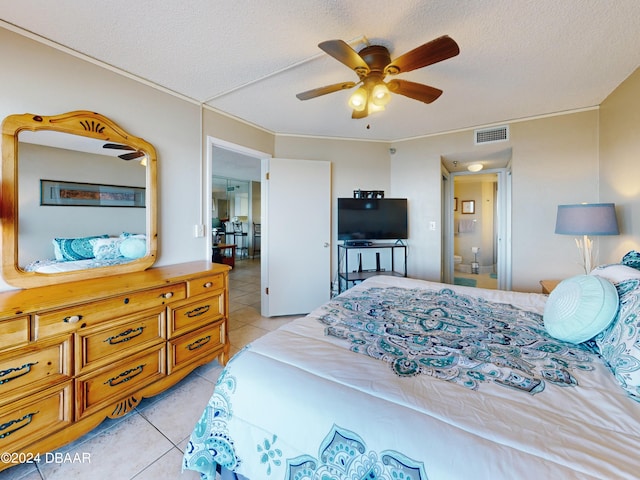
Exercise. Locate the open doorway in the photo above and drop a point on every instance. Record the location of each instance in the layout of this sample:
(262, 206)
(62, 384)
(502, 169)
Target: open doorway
(235, 201)
(233, 197)
(235, 213)
(297, 191)
(475, 234)
(476, 219)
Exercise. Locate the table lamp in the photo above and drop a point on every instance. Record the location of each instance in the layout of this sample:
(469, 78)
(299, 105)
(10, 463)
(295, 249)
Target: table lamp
(587, 219)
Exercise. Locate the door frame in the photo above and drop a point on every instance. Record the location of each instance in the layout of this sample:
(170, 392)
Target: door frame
(263, 159)
(503, 216)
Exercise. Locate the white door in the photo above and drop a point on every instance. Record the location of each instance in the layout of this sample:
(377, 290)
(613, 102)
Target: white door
(296, 235)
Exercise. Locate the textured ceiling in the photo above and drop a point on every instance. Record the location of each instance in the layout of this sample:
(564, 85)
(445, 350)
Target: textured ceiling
(518, 58)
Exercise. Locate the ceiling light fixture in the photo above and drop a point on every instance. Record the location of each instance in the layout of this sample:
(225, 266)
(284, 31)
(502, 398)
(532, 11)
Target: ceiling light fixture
(371, 97)
(373, 63)
(358, 101)
(475, 167)
(380, 95)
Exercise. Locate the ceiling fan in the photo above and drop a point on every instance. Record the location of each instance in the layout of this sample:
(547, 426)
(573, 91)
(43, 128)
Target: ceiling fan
(125, 156)
(373, 63)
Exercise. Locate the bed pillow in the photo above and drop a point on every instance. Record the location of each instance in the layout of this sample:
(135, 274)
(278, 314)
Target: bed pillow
(124, 235)
(616, 272)
(580, 307)
(619, 344)
(106, 248)
(69, 249)
(632, 259)
(133, 247)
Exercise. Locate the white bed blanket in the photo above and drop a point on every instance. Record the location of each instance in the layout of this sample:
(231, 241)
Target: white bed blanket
(300, 404)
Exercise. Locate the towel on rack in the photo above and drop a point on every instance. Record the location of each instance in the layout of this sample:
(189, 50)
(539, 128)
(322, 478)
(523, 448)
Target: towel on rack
(466, 225)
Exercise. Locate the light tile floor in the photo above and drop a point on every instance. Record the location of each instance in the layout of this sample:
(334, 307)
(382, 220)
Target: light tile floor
(483, 280)
(148, 443)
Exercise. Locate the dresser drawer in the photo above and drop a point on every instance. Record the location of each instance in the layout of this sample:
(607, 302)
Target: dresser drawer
(90, 314)
(207, 284)
(41, 364)
(187, 348)
(35, 417)
(112, 383)
(100, 345)
(185, 318)
(14, 331)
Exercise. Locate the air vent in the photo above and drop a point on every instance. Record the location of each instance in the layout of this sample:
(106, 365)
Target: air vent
(491, 135)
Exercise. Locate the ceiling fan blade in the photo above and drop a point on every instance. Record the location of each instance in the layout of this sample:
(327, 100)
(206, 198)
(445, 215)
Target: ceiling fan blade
(117, 146)
(431, 52)
(316, 92)
(417, 91)
(360, 114)
(131, 156)
(342, 52)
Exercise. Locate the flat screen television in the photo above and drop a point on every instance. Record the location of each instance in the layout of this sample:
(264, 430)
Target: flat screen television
(367, 219)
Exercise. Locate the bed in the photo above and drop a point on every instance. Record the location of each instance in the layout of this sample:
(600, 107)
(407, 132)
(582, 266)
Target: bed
(404, 379)
(81, 253)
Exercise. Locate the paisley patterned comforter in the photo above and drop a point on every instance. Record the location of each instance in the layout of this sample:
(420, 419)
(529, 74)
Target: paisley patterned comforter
(402, 379)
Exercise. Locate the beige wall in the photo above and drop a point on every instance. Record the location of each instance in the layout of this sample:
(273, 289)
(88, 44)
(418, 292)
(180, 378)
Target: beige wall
(620, 166)
(415, 174)
(47, 81)
(230, 130)
(354, 165)
(554, 160)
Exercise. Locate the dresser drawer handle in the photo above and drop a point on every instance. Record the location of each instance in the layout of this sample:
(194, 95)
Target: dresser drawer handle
(196, 312)
(72, 319)
(201, 342)
(124, 336)
(6, 372)
(4, 426)
(208, 285)
(125, 376)
(167, 295)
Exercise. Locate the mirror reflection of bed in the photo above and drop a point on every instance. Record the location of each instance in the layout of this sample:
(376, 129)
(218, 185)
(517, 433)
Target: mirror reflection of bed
(81, 160)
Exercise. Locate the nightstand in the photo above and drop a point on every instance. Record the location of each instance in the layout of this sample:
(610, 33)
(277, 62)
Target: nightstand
(549, 285)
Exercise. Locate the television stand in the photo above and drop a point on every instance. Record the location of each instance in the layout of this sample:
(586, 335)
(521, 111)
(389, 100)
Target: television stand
(372, 259)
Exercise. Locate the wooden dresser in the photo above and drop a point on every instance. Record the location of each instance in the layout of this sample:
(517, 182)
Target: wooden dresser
(74, 353)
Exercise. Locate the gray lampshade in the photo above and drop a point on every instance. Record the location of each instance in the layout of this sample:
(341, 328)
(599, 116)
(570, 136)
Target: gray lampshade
(587, 219)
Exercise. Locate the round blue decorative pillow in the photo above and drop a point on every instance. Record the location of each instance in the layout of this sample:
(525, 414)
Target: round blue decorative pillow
(580, 307)
(133, 247)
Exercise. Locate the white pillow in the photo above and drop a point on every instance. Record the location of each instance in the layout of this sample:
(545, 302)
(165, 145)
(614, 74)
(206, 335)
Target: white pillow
(106, 248)
(133, 247)
(616, 272)
(580, 307)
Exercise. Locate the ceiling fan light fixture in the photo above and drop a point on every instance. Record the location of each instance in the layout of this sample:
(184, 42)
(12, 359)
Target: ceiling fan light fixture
(373, 63)
(475, 167)
(380, 95)
(358, 101)
(373, 107)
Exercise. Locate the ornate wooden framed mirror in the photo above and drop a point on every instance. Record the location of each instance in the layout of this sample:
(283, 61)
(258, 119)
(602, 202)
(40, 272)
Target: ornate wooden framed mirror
(79, 199)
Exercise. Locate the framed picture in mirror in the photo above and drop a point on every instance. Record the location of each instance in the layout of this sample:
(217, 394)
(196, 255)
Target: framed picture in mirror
(54, 192)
